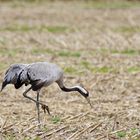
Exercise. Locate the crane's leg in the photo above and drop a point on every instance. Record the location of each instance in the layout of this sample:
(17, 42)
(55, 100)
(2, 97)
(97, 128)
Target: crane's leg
(37, 105)
(43, 105)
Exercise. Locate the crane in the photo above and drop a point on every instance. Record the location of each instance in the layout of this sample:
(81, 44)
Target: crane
(38, 75)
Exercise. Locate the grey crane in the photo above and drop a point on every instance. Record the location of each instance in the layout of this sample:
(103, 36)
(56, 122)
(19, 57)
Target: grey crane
(38, 75)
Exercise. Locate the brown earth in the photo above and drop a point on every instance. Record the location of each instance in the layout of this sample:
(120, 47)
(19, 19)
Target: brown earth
(97, 47)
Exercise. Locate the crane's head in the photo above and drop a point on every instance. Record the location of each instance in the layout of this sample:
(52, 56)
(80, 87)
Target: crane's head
(12, 74)
(84, 93)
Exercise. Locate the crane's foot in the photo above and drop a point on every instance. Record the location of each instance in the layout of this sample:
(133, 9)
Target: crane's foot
(45, 107)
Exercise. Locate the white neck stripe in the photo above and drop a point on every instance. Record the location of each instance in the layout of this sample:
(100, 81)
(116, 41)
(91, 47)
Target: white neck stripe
(82, 89)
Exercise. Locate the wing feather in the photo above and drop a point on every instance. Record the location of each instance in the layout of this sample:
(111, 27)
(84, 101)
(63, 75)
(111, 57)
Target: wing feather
(12, 74)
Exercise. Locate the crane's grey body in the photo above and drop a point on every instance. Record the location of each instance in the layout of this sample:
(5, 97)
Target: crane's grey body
(38, 75)
(43, 72)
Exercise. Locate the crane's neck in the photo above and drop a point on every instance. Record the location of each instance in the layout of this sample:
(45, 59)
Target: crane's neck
(80, 89)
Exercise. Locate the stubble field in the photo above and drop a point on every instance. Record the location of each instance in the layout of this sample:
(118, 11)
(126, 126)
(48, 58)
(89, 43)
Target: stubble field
(97, 45)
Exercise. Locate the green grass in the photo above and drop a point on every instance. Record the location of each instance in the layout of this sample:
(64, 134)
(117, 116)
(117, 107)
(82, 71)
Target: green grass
(28, 138)
(69, 54)
(40, 28)
(134, 69)
(61, 53)
(104, 69)
(56, 119)
(126, 52)
(37, 138)
(121, 134)
(16, 27)
(134, 131)
(129, 134)
(112, 5)
(128, 29)
(42, 51)
(86, 64)
(130, 52)
(89, 67)
(56, 29)
(10, 137)
(70, 70)
(10, 52)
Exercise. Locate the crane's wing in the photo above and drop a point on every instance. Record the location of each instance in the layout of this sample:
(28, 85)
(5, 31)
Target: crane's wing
(12, 74)
(43, 74)
(38, 84)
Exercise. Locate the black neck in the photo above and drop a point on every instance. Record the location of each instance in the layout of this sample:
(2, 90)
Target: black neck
(66, 89)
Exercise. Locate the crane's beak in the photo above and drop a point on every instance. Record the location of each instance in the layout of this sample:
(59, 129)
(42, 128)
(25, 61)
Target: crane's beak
(88, 100)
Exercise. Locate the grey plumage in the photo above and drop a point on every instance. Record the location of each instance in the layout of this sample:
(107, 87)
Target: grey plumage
(12, 74)
(38, 75)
